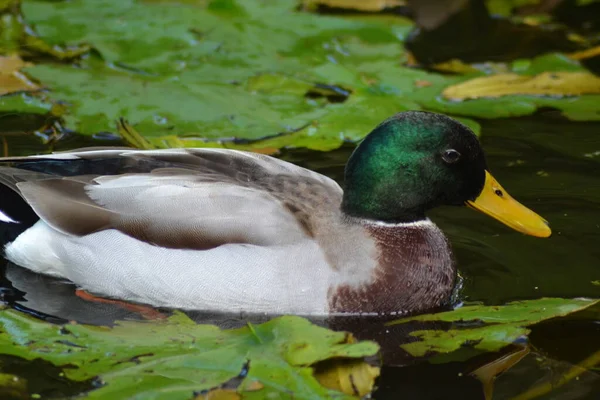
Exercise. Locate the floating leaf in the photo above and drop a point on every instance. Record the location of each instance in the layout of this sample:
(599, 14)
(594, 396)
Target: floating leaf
(352, 377)
(171, 359)
(12, 79)
(488, 328)
(455, 66)
(18, 37)
(360, 5)
(585, 54)
(132, 137)
(202, 74)
(213, 86)
(219, 394)
(545, 84)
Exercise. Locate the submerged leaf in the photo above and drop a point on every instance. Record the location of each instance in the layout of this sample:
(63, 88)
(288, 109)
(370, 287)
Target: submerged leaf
(174, 358)
(487, 328)
(488, 373)
(545, 84)
(12, 387)
(548, 385)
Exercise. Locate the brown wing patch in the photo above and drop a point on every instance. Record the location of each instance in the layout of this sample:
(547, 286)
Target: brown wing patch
(65, 206)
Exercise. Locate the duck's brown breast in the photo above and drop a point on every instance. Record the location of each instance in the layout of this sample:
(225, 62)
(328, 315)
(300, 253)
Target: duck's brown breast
(414, 272)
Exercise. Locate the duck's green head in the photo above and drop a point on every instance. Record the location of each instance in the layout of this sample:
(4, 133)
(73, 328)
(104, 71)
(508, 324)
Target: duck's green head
(417, 160)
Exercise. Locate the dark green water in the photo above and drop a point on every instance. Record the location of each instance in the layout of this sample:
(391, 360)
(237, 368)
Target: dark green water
(551, 165)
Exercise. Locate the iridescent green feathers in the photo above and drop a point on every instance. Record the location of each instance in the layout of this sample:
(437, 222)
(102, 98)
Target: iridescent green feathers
(398, 172)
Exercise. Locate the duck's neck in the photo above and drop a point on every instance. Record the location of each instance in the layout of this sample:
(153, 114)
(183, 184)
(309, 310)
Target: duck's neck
(366, 205)
(414, 271)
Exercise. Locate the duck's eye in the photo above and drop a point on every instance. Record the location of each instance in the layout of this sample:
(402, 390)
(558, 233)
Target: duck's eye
(451, 156)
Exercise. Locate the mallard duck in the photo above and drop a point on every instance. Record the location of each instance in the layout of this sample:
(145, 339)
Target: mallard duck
(227, 230)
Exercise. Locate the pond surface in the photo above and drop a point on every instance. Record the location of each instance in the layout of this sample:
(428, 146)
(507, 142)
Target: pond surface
(548, 163)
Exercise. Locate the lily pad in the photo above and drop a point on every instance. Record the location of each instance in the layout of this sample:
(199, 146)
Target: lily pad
(175, 358)
(487, 328)
(17, 36)
(213, 78)
(247, 74)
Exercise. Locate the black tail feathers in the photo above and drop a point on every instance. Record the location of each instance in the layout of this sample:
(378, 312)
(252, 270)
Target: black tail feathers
(15, 215)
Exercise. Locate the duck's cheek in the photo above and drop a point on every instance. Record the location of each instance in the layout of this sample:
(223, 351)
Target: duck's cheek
(495, 201)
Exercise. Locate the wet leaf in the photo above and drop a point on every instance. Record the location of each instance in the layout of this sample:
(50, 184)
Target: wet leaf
(549, 385)
(545, 84)
(455, 66)
(360, 5)
(18, 37)
(351, 377)
(585, 54)
(202, 74)
(12, 79)
(219, 394)
(209, 86)
(132, 137)
(488, 373)
(487, 328)
(174, 358)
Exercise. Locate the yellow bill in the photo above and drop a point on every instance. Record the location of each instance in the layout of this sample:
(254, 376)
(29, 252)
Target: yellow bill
(497, 203)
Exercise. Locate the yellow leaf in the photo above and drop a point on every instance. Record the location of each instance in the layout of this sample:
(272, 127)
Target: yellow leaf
(132, 137)
(219, 394)
(544, 84)
(488, 373)
(11, 79)
(352, 377)
(455, 66)
(360, 5)
(585, 54)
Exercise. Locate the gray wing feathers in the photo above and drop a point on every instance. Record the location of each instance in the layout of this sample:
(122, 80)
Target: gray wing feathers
(193, 198)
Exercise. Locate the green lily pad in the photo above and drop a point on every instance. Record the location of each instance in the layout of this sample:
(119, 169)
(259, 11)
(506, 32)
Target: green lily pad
(487, 328)
(209, 72)
(211, 77)
(174, 358)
